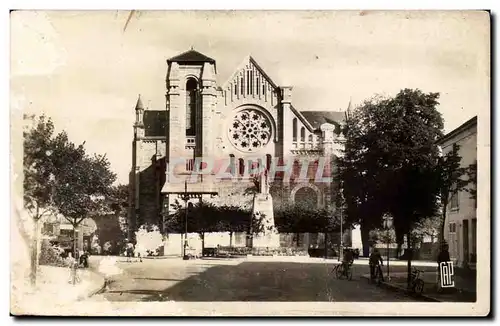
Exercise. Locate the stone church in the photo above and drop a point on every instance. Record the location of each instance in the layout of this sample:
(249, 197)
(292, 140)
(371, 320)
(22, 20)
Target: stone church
(248, 122)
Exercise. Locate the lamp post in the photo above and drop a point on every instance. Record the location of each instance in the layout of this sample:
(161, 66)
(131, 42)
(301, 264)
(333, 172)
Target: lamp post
(387, 226)
(341, 251)
(186, 199)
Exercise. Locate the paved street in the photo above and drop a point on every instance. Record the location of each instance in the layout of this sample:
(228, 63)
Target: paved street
(239, 280)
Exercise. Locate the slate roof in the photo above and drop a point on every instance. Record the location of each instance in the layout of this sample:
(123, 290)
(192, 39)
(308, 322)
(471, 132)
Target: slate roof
(155, 123)
(317, 118)
(191, 56)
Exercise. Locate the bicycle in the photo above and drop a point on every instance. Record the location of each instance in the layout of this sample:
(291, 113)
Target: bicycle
(378, 274)
(344, 269)
(417, 284)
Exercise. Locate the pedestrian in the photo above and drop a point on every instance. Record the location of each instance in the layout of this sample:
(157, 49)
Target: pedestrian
(130, 251)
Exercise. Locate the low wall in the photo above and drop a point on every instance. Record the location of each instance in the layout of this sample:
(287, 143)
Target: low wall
(174, 242)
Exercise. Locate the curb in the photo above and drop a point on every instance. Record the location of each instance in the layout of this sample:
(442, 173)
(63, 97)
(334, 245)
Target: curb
(94, 290)
(161, 257)
(395, 288)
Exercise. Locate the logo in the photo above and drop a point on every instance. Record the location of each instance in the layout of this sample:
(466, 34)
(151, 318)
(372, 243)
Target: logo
(320, 169)
(446, 271)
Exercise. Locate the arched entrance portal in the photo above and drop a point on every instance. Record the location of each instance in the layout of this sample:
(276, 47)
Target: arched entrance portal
(306, 197)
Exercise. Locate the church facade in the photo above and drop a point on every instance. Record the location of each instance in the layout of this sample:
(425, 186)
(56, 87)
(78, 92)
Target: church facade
(212, 140)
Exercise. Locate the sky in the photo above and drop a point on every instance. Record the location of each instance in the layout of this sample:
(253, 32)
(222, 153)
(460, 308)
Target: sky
(85, 71)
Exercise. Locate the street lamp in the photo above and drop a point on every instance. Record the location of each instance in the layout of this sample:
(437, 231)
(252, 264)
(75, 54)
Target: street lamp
(387, 226)
(341, 251)
(186, 199)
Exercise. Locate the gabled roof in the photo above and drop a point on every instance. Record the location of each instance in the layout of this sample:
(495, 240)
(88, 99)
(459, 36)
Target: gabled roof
(472, 122)
(250, 60)
(191, 56)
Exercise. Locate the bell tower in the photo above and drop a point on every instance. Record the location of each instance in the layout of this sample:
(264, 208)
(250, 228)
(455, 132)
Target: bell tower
(190, 104)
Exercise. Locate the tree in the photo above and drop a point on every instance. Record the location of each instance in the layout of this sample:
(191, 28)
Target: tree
(391, 151)
(472, 179)
(450, 182)
(427, 227)
(39, 182)
(83, 182)
(206, 217)
(357, 175)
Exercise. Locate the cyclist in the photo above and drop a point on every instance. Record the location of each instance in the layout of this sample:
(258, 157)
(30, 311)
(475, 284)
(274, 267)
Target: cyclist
(347, 260)
(375, 261)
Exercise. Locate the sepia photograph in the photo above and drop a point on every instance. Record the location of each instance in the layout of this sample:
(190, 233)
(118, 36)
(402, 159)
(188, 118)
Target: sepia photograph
(250, 163)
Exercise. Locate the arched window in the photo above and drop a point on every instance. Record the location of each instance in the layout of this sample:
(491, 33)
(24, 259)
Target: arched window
(191, 104)
(241, 165)
(294, 126)
(302, 134)
(310, 138)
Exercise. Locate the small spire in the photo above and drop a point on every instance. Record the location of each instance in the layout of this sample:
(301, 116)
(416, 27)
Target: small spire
(192, 47)
(347, 112)
(139, 105)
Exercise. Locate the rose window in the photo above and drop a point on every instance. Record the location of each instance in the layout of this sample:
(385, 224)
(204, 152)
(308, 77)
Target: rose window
(250, 130)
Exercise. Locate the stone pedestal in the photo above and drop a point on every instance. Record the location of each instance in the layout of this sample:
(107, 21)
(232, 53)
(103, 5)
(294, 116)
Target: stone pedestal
(269, 238)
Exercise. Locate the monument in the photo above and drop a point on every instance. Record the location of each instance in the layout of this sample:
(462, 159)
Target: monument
(266, 236)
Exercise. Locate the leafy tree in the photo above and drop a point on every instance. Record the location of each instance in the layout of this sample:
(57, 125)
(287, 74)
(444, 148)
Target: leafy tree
(380, 235)
(83, 182)
(427, 227)
(472, 179)
(209, 217)
(39, 182)
(357, 175)
(391, 151)
(60, 177)
(38, 168)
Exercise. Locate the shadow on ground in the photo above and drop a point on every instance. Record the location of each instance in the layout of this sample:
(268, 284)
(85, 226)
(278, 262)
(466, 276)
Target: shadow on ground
(247, 281)
(255, 281)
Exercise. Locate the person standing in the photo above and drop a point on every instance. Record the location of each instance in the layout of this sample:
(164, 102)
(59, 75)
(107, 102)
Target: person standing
(130, 251)
(375, 261)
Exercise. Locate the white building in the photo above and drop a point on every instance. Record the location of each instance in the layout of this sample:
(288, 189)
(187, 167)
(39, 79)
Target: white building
(461, 222)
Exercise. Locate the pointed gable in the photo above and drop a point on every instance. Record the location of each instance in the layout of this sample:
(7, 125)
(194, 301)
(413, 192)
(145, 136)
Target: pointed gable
(250, 81)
